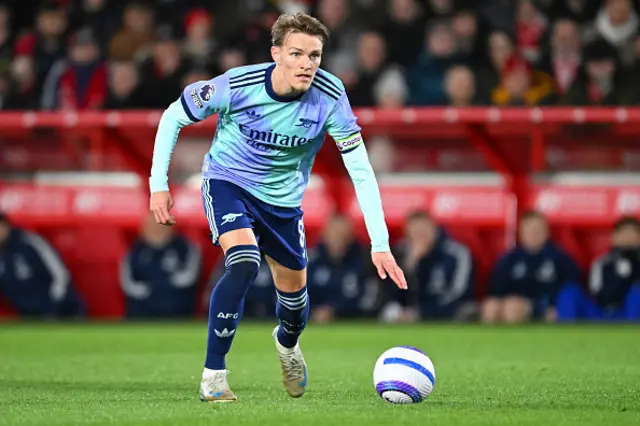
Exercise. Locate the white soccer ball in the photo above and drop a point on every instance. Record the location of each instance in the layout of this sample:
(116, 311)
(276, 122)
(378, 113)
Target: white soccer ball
(404, 375)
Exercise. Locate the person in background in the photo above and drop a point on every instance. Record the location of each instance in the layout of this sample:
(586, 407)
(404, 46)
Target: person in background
(599, 81)
(564, 59)
(33, 278)
(614, 284)
(159, 274)
(337, 276)
(500, 46)
(440, 271)
(134, 40)
(525, 281)
(125, 90)
(522, 85)
(79, 82)
(460, 87)
(425, 79)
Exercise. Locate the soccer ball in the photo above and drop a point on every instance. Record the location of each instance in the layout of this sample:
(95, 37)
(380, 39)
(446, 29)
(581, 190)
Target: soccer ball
(404, 375)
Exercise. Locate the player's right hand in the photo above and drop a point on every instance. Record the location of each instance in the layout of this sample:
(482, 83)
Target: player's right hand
(161, 204)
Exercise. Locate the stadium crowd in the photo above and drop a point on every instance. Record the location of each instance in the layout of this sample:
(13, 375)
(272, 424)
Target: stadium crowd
(94, 54)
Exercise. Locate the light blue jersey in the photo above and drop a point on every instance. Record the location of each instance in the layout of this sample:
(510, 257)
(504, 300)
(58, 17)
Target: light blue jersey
(266, 143)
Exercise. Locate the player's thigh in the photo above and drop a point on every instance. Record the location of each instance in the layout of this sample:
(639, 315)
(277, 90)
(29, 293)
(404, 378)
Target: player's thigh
(225, 207)
(286, 279)
(282, 234)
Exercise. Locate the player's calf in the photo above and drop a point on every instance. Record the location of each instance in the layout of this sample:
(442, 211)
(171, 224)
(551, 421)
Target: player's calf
(225, 310)
(292, 309)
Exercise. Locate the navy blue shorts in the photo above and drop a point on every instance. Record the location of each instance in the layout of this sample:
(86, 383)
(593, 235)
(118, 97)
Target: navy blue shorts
(279, 230)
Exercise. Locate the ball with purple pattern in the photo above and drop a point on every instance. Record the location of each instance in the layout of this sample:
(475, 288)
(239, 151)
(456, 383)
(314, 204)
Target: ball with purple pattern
(404, 375)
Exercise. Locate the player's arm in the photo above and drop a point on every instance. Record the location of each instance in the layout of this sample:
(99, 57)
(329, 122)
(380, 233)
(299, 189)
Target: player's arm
(341, 125)
(198, 101)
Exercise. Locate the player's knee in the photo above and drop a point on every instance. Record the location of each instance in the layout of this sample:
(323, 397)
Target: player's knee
(243, 263)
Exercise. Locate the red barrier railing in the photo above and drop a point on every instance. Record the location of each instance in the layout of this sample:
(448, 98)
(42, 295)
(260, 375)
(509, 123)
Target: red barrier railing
(93, 225)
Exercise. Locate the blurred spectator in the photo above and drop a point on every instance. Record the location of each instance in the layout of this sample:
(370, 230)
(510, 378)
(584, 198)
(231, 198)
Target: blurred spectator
(618, 24)
(522, 85)
(525, 281)
(6, 48)
(564, 58)
(199, 44)
(46, 44)
(79, 82)
(614, 285)
(260, 300)
(164, 71)
(440, 275)
(125, 90)
(195, 75)
(440, 8)
(255, 36)
(580, 11)
(33, 278)
(231, 57)
(600, 81)
(466, 30)
(404, 31)
(337, 280)
(531, 28)
(501, 47)
(460, 86)
(425, 79)
(159, 274)
(135, 39)
(102, 16)
(22, 94)
(344, 28)
(374, 81)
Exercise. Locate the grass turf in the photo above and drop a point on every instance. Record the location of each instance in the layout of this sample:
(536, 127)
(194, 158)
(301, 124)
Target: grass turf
(148, 374)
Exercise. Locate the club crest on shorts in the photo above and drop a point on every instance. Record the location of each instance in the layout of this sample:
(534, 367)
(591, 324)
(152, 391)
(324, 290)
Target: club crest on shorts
(207, 91)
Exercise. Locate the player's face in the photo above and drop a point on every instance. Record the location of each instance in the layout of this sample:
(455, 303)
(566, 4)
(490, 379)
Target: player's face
(299, 58)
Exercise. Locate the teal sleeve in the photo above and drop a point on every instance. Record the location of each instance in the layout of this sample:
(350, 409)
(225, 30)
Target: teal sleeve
(357, 163)
(173, 119)
(198, 101)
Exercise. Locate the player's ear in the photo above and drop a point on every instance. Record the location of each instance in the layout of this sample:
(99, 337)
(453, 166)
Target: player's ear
(275, 54)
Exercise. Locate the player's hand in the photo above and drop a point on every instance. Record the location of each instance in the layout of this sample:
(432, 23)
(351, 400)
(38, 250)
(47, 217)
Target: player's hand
(161, 204)
(386, 265)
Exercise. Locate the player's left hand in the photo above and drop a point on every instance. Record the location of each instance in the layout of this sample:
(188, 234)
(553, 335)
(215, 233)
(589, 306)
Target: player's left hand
(386, 264)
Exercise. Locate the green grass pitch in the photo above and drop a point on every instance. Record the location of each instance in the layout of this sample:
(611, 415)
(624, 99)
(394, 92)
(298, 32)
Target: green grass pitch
(148, 374)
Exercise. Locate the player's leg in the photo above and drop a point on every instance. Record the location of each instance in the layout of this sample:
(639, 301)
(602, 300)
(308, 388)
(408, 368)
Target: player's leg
(230, 225)
(284, 245)
(292, 309)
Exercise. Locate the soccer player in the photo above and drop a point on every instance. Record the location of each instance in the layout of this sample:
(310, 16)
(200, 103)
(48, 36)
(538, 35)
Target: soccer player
(272, 120)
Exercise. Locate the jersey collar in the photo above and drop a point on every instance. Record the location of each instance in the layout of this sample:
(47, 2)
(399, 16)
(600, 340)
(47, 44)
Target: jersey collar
(272, 94)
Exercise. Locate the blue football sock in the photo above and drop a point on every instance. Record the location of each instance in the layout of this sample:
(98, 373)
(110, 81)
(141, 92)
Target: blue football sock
(292, 309)
(227, 301)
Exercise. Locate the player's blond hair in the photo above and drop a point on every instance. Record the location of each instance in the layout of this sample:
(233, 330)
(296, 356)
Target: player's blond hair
(288, 23)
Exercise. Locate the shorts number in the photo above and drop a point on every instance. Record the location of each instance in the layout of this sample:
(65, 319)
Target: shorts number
(302, 237)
